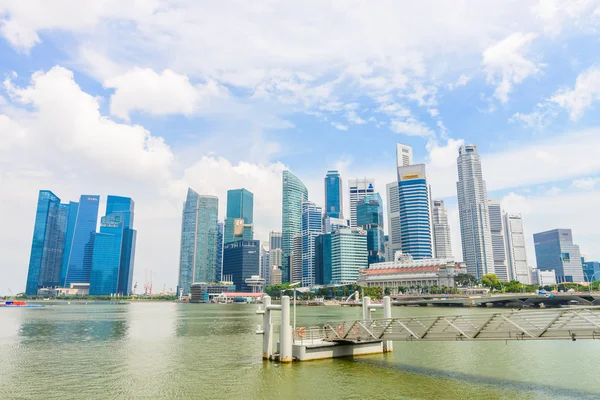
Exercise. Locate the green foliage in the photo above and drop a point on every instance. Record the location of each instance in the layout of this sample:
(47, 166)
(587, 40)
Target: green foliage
(374, 292)
(275, 291)
(465, 280)
(491, 281)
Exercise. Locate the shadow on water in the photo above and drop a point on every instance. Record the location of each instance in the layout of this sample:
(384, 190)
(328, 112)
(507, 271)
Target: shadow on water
(538, 389)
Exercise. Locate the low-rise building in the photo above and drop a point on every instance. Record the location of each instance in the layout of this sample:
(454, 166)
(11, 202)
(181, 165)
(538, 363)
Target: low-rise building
(205, 292)
(544, 277)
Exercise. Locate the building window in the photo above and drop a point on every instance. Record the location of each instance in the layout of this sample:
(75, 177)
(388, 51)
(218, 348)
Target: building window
(566, 257)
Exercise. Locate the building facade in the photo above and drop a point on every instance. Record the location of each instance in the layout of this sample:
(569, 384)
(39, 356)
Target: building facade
(199, 231)
(591, 270)
(515, 248)
(404, 155)
(442, 244)
(296, 259)
(312, 216)
(555, 250)
(265, 264)
(333, 195)
(393, 215)
(359, 188)
(241, 261)
(497, 231)
(293, 194)
(219, 257)
(473, 212)
(415, 212)
(240, 216)
(369, 215)
(323, 259)
(348, 255)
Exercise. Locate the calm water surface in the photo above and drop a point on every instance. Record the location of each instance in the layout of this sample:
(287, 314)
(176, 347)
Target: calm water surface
(185, 351)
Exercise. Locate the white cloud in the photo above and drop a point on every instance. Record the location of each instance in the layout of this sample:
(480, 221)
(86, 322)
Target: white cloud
(557, 14)
(339, 126)
(461, 81)
(581, 97)
(410, 127)
(506, 63)
(142, 89)
(355, 119)
(586, 183)
(537, 119)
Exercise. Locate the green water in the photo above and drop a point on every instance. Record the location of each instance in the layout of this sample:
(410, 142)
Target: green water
(185, 351)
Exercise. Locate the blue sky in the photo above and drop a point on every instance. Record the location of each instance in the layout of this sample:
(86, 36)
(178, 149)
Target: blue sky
(147, 98)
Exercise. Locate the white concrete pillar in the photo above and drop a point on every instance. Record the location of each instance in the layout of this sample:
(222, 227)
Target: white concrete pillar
(267, 328)
(366, 308)
(285, 339)
(387, 314)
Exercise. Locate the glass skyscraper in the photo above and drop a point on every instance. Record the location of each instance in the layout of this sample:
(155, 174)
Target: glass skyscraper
(348, 255)
(312, 217)
(73, 208)
(79, 265)
(241, 260)
(114, 249)
(199, 231)
(415, 215)
(294, 193)
(240, 205)
(369, 216)
(219, 264)
(555, 250)
(333, 195)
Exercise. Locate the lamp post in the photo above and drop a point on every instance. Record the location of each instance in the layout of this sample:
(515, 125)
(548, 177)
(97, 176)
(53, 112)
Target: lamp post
(592, 279)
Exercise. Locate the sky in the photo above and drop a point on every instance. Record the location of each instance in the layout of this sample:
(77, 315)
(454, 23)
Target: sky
(145, 98)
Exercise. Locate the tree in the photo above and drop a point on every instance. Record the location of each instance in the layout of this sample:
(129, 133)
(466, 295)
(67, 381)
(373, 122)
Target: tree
(465, 280)
(491, 281)
(387, 291)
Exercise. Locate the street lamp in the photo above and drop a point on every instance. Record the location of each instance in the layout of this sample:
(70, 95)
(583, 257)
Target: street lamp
(592, 279)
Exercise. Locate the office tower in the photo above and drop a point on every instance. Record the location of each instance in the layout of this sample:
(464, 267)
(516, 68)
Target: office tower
(332, 224)
(555, 250)
(275, 240)
(219, 263)
(311, 228)
(73, 208)
(275, 252)
(333, 195)
(359, 188)
(265, 264)
(294, 193)
(393, 212)
(441, 230)
(114, 249)
(241, 260)
(515, 248)
(240, 212)
(348, 255)
(275, 276)
(296, 259)
(498, 240)
(473, 211)
(199, 230)
(369, 216)
(415, 213)
(591, 270)
(323, 259)
(79, 266)
(47, 246)
(404, 155)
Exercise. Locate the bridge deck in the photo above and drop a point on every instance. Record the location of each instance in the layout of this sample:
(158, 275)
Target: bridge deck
(572, 324)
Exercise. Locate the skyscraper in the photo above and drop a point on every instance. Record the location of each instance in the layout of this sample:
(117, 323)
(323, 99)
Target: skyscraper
(73, 208)
(515, 248)
(79, 266)
(311, 228)
(47, 247)
(441, 230)
(199, 230)
(265, 264)
(404, 155)
(296, 259)
(369, 216)
(415, 214)
(348, 255)
(554, 250)
(333, 195)
(241, 260)
(219, 263)
(332, 224)
(498, 240)
(473, 211)
(294, 193)
(359, 188)
(275, 252)
(240, 206)
(323, 259)
(114, 249)
(393, 212)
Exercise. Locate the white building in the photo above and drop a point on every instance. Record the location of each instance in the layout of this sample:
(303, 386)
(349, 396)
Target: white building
(359, 188)
(473, 211)
(332, 224)
(515, 248)
(498, 241)
(348, 255)
(404, 155)
(544, 277)
(441, 230)
(265, 264)
(393, 214)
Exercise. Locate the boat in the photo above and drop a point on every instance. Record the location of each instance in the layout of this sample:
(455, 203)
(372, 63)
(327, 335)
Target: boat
(18, 303)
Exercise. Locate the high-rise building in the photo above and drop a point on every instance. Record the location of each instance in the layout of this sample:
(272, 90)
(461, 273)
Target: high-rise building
(404, 155)
(333, 195)
(114, 249)
(442, 244)
(241, 260)
(240, 215)
(47, 247)
(323, 259)
(265, 264)
(311, 228)
(73, 208)
(275, 253)
(515, 248)
(555, 250)
(296, 259)
(219, 263)
(591, 270)
(474, 215)
(348, 255)
(393, 212)
(294, 193)
(359, 188)
(79, 265)
(333, 224)
(275, 241)
(497, 230)
(415, 213)
(369, 217)
(199, 231)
